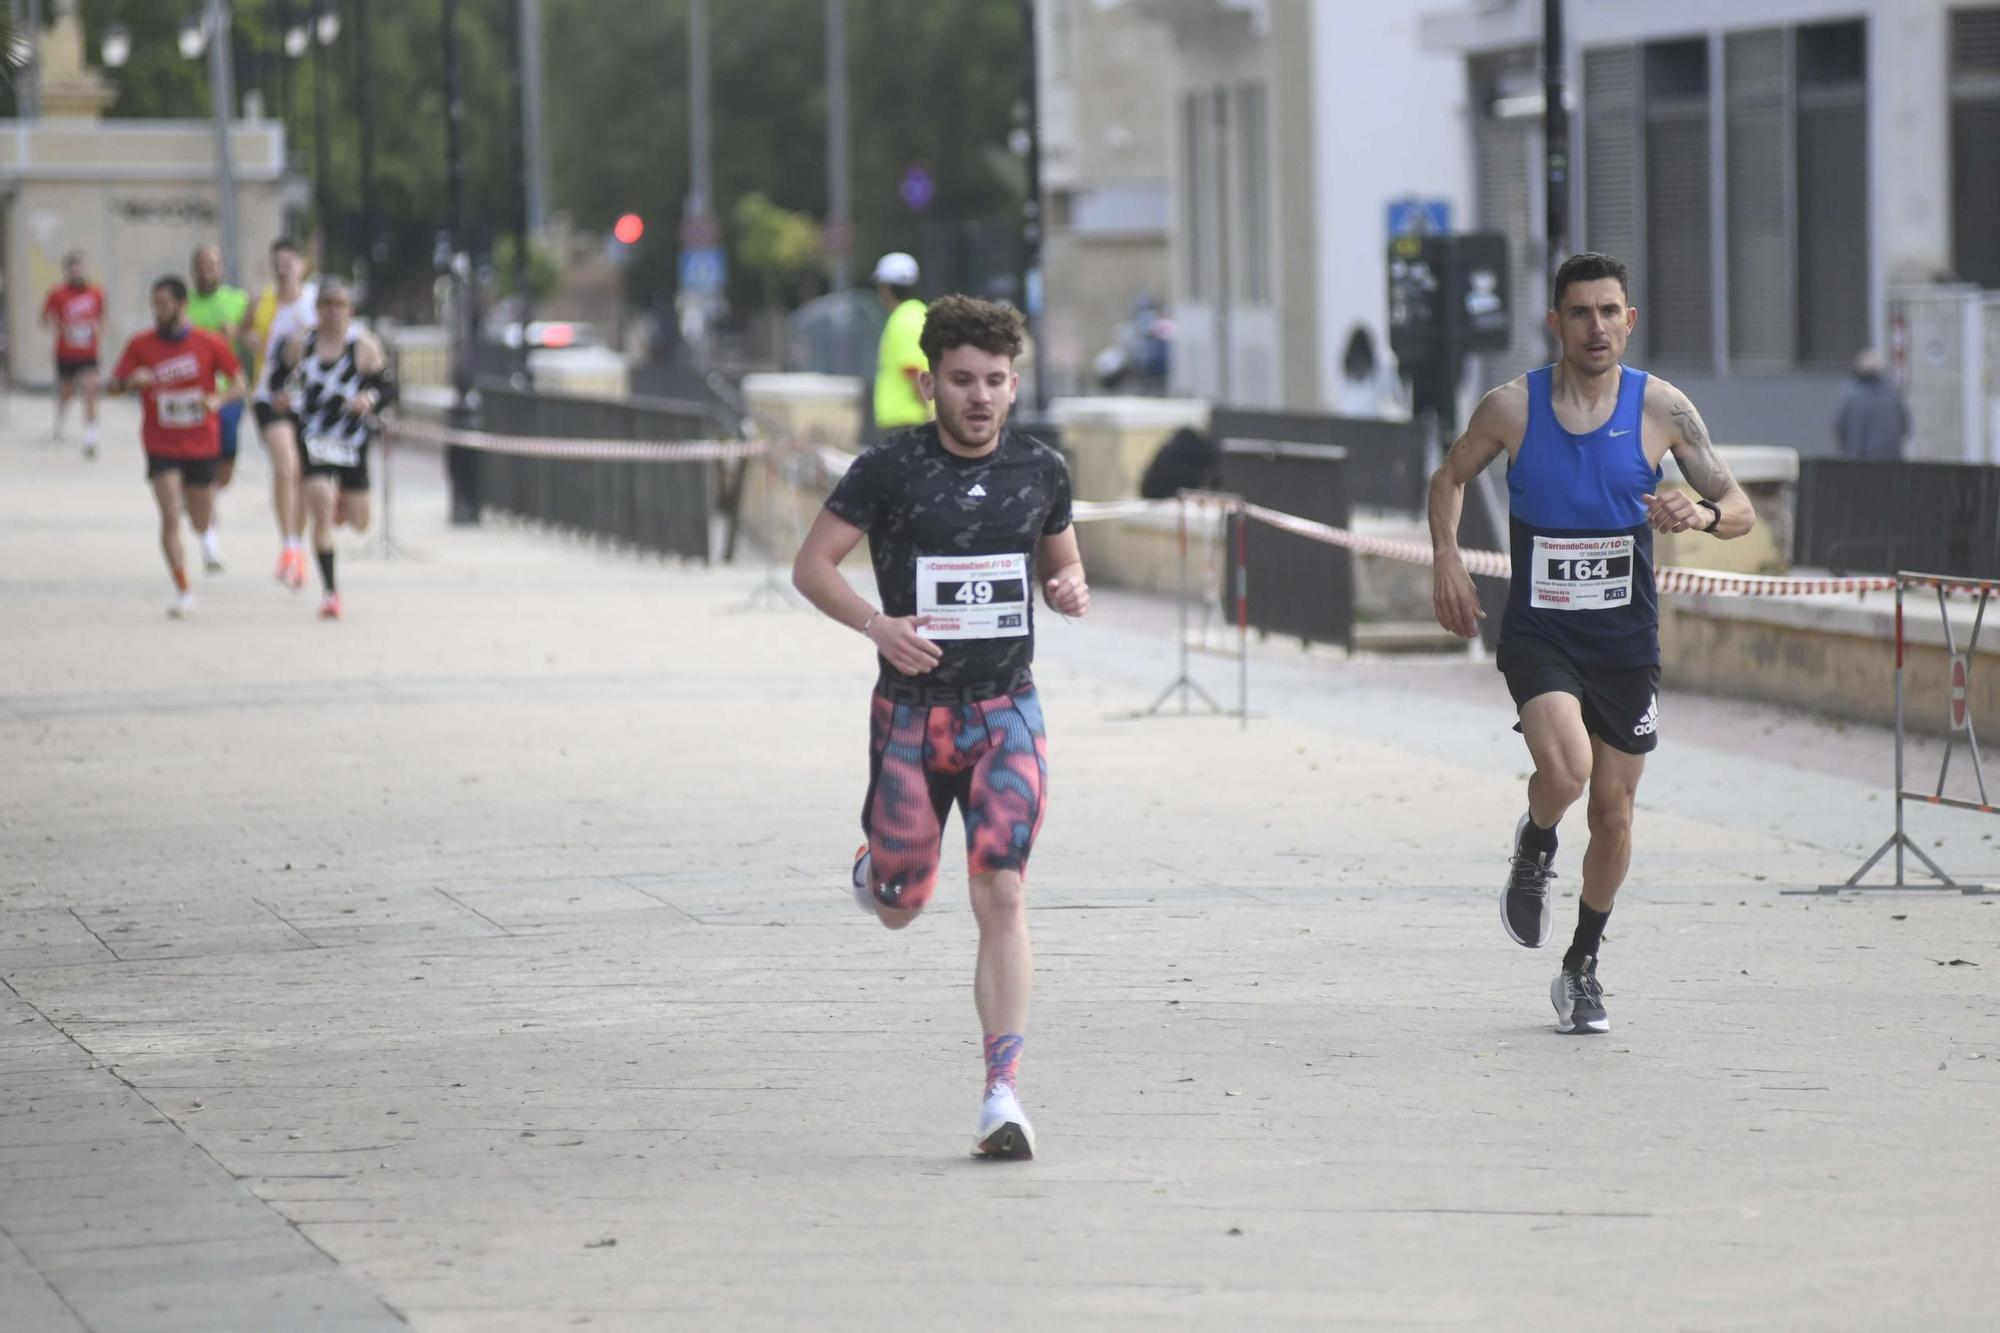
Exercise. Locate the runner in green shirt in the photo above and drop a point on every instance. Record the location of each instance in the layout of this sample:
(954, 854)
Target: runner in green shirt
(219, 310)
(898, 359)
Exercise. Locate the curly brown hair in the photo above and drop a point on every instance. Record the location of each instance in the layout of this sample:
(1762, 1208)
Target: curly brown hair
(965, 321)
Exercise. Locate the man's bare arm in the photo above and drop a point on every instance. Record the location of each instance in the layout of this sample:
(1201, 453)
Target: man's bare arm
(1485, 439)
(1705, 472)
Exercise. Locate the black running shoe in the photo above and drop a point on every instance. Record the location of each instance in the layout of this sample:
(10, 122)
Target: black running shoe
(1579, 1000)
(1524, 902)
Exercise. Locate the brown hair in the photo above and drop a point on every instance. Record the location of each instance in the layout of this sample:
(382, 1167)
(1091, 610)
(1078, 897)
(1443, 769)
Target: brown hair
(965, 321)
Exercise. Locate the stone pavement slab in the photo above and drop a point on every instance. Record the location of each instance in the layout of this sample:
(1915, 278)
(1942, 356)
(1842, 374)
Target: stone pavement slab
(484, 962)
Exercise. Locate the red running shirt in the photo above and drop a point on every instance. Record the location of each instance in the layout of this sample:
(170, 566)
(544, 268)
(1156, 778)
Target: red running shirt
(77, 312)
(178, 422)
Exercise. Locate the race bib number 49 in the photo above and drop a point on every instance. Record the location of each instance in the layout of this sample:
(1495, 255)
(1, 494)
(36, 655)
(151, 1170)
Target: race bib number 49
(973, 596)
(1582, 573)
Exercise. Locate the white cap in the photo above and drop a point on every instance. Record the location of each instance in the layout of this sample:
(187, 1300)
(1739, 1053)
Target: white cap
(896, 269)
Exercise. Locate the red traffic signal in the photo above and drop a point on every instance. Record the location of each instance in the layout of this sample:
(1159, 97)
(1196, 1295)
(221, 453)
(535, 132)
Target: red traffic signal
(629, 228)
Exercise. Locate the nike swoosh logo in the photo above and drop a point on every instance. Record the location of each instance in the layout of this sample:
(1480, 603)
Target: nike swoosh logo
(1616, 433)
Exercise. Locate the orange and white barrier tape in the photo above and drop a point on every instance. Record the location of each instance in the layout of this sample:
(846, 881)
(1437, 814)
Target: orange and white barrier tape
(621, 451)
(835, 462)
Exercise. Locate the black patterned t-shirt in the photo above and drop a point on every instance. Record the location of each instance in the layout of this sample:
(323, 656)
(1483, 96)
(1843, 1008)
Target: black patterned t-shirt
(930, 517)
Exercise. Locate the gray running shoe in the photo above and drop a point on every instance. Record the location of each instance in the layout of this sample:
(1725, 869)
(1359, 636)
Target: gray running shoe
(1579, 1000)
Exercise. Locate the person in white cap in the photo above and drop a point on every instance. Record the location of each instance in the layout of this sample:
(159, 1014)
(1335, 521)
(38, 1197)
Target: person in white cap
(899, 361)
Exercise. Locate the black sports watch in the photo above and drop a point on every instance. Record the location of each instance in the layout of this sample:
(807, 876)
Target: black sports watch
(1715, 509)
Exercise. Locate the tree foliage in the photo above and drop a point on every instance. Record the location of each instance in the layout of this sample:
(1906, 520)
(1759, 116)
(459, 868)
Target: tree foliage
(936, 82)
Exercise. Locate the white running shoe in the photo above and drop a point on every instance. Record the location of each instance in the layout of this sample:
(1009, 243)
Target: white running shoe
(183, 606)
(1004, 1131)
(864, 897)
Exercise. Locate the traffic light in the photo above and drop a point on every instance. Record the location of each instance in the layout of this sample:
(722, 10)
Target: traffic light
(629, 228)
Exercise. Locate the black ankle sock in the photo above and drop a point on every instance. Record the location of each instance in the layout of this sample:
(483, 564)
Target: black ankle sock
(326, 575)
(1537, 840)
(1589, 935)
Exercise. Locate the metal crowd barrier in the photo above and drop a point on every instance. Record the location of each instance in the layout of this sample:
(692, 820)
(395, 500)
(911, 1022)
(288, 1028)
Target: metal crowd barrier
(652, 503)
(1962, 729)
(1304, 588)
(1879, 516)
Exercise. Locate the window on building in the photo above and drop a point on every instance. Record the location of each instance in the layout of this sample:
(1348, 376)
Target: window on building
(1975, 144)
(1506, 142)
(1253, 167)
(1758, 202)
(1679, 256)
(1196, 189)
(1794, 192)
(1613, 223)
(1062, 41)
(1831, 129)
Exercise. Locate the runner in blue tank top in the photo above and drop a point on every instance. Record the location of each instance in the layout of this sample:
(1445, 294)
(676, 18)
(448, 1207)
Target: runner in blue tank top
(1580, 642)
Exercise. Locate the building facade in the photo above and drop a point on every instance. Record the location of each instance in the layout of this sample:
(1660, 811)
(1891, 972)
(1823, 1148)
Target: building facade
(1774, 171)
(1299, 129)
(1105, 150)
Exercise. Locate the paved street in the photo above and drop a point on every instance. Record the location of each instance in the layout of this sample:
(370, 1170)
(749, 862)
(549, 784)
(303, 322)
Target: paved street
(485, 962)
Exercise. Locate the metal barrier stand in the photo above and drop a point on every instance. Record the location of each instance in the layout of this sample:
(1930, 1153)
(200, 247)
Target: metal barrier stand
(1184, 684)
(1961, 720)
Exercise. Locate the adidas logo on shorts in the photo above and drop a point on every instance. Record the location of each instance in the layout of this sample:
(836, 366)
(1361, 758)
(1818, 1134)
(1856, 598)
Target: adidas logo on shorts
(1650, 722)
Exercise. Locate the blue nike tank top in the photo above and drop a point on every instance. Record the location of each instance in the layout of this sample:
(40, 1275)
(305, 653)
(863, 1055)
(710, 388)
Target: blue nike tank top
(1582, 551)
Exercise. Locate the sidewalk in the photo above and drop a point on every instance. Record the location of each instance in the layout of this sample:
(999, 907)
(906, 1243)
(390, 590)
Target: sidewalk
(485, 962)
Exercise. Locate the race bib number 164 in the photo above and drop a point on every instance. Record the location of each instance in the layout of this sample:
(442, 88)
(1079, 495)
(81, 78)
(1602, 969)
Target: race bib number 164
(1582, 573)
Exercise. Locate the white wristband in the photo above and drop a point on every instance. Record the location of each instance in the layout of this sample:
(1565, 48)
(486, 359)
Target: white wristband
(866, 623)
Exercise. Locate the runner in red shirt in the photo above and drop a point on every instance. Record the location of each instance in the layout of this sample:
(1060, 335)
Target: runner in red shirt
(174, 369)
(74, 312)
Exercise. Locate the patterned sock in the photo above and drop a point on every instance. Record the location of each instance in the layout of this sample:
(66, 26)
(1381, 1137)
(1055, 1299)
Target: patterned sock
(1003, 1058)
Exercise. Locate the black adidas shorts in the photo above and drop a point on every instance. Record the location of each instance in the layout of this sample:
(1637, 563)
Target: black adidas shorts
(1621, 705)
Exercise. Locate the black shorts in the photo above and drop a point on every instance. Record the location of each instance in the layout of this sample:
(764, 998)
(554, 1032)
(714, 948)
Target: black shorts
(69, 370)
(194, 471)
(1621, 705)
(350, 478)
(266, 414)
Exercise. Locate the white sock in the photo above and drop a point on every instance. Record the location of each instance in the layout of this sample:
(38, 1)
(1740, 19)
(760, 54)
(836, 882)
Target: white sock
(90, 433)
(211, 540)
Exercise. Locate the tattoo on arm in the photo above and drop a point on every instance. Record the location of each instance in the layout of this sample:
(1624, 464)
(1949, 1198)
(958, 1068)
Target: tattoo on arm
(1706, 472)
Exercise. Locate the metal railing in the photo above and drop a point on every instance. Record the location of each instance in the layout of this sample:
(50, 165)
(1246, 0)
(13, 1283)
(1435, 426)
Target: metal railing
(1879, 516)
(655, 506)
(1297, 586)
(1385, 459)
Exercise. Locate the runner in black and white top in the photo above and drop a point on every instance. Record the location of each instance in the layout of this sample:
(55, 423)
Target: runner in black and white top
(964, 520)
(281, 312)
(332, 381)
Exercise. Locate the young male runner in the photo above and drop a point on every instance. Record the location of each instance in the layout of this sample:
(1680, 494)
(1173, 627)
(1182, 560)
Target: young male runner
(175, 368)
(217, 308)
(964, 519)
(283, 310)
(332, 380)
(1580, 644)
(74, 312)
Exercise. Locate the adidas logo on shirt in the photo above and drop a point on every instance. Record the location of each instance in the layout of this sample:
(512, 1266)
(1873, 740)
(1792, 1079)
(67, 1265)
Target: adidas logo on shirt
(978, 492)
(1650, 722)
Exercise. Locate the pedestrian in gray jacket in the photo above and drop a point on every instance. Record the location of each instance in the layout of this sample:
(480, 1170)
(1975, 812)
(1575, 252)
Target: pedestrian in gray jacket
(1873, 423)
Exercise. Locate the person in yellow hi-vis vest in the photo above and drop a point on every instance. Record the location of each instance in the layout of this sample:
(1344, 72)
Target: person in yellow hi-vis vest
(899, 361)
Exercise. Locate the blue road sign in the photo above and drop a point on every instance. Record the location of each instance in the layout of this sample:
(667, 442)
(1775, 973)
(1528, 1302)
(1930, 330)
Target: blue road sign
(703, 271)
(917, 189)
(1419, 217)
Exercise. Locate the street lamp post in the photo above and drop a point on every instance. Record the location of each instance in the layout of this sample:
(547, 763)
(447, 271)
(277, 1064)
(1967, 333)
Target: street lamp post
(222, 92)
(461, 463)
